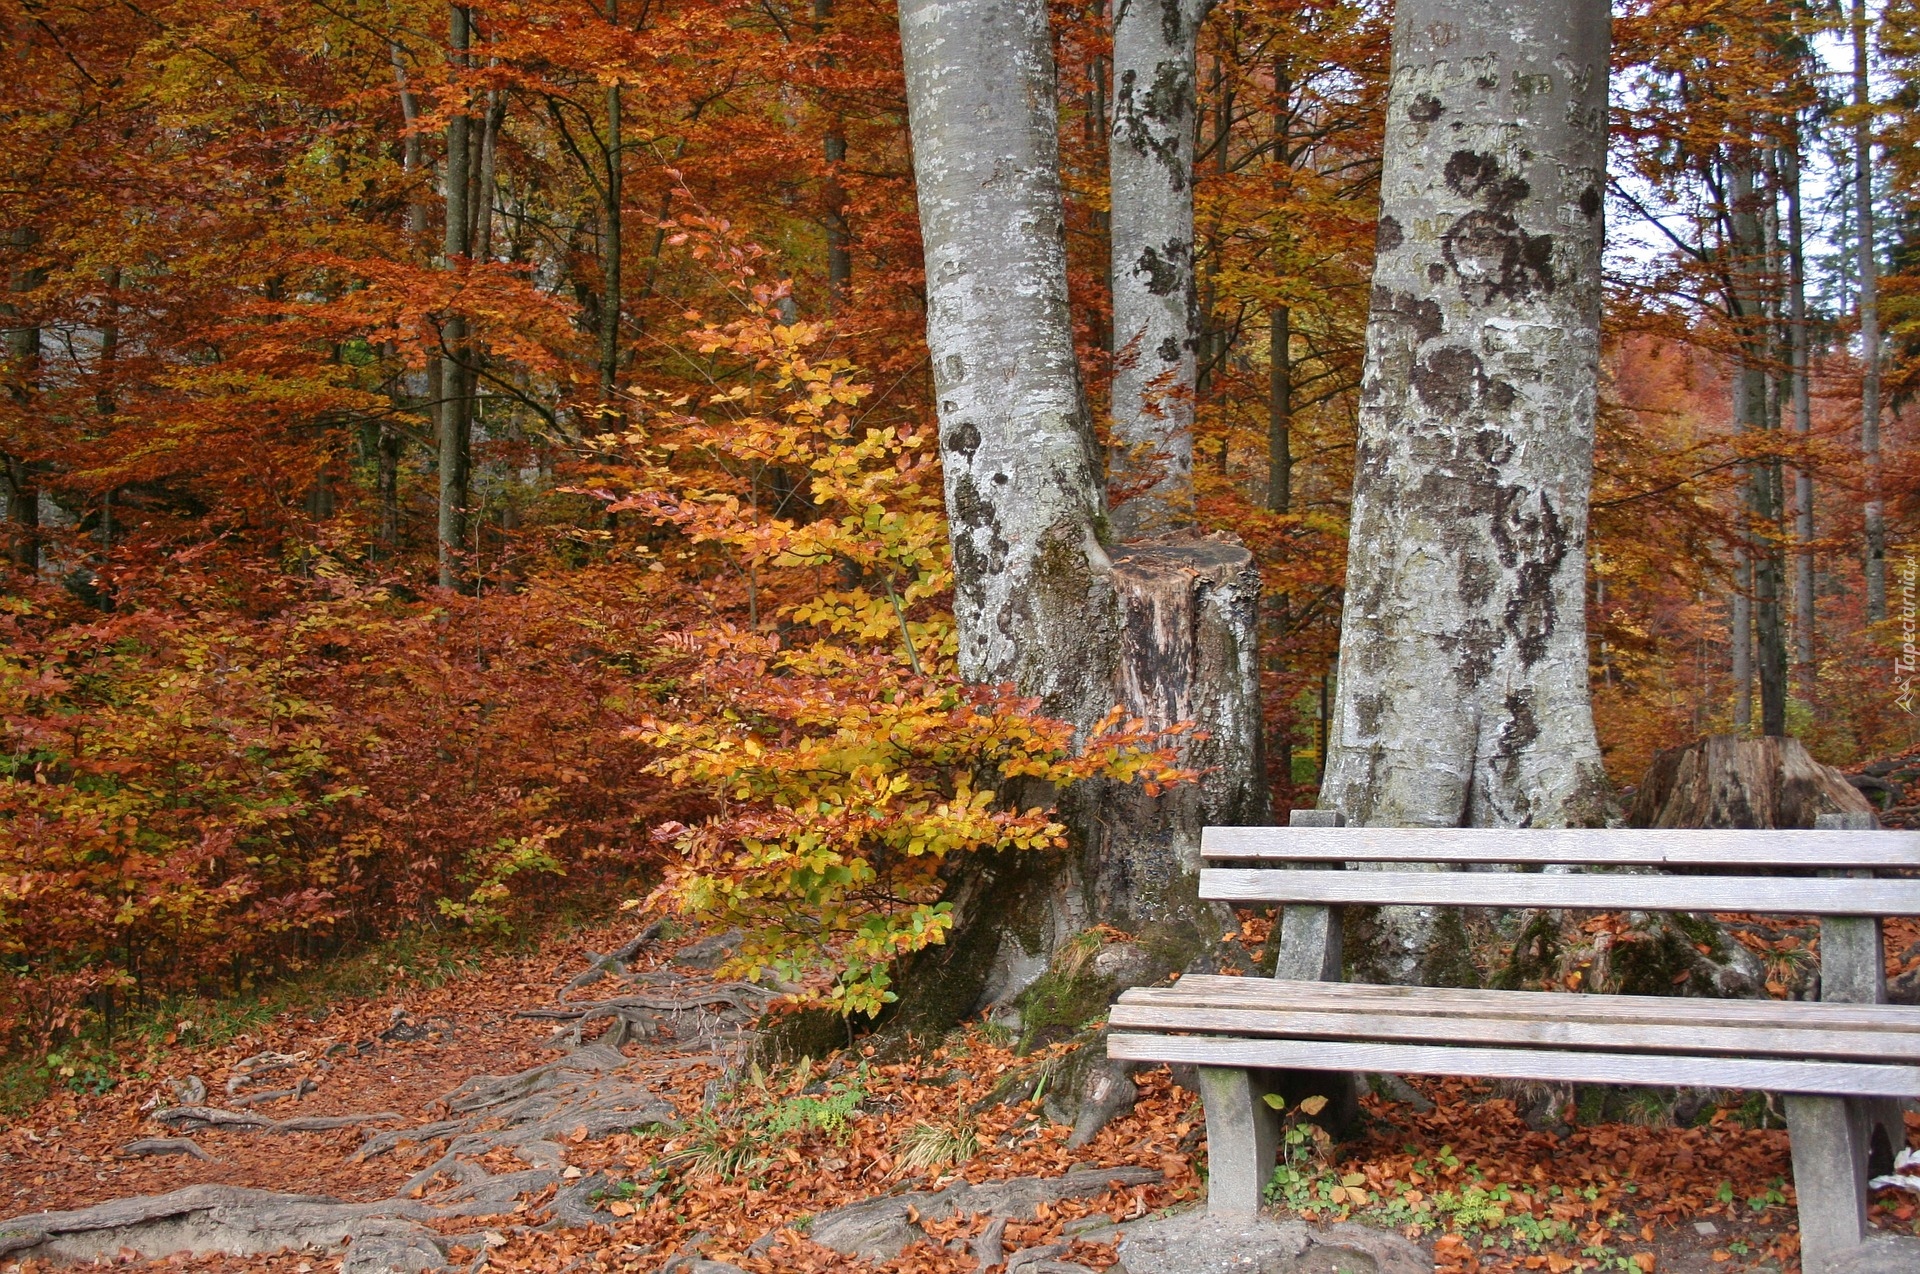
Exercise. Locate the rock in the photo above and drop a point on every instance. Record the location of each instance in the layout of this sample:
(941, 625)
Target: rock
(709, 952)
(1885, 1254)
(713, 1267)
(1195, 1243)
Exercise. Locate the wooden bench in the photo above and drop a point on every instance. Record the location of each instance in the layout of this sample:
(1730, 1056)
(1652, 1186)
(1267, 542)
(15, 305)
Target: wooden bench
(1843, 1064)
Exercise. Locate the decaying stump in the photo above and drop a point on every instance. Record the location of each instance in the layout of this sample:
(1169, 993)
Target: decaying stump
(1172, 635)
(1189, 641)
(1723, 781)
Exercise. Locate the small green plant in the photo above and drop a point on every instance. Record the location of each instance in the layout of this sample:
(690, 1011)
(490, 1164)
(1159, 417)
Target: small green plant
(743, 1136)
(930, 1147)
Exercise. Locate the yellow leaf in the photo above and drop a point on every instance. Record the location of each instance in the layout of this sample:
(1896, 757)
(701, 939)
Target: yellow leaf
(1313, 1106)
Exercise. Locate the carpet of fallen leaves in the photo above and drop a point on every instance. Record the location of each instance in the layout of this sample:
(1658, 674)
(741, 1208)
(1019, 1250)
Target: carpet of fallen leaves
(1498, 1196)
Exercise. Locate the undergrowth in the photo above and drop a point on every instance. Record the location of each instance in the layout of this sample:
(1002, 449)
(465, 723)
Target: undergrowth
(112, 1051)
(762, 1121)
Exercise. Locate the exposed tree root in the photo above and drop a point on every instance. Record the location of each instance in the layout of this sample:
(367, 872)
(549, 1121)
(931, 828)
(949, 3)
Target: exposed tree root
(589, 1094)
(164, 1146)
(190, 1118)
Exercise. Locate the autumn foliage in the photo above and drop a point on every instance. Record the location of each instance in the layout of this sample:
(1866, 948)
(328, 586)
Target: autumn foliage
(698, 647)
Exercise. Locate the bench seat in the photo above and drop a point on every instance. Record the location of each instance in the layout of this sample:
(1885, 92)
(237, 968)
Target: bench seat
(1781, 1046)
(1843, 1064)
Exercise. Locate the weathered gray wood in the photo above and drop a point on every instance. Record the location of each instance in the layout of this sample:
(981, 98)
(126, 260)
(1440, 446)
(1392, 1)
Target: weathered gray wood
(1834, 1139)
(1767, 1075)
(1829, 1176)
(1365, 999)
(1736, 1041)
(1243, 1133)
(1618, 847)
(1602, 892)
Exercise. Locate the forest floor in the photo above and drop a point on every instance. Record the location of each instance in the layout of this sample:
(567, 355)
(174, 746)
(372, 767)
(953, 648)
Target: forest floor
(706, 1155)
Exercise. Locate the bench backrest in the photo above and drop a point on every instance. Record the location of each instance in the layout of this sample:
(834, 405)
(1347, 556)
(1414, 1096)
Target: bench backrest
(1308, 865)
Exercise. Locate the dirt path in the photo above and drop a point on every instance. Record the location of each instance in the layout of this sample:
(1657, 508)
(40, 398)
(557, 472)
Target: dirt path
(490, 1124)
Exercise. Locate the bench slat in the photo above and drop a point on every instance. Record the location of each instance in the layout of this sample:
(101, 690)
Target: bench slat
(1840, 1079)
(1360, 998)
(1580, 891)
(1736, 1041)
(1619, 847)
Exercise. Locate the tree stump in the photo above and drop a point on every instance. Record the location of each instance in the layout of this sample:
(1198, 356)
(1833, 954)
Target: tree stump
(1719, 780)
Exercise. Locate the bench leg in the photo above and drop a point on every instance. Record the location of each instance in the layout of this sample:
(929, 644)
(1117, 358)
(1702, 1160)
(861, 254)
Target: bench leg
(1835, 1143)
(1243, 1135)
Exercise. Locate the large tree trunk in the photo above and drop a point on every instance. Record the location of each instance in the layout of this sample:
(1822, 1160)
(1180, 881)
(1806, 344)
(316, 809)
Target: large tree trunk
(1462, 696)
(1164, 628)
(1150, 157)
(1869, 265)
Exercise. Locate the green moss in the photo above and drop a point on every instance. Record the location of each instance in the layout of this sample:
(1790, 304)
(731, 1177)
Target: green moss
(1701, 932)
(1064, 999)
(1653, 964)
(1449, 955)
(1535, 956)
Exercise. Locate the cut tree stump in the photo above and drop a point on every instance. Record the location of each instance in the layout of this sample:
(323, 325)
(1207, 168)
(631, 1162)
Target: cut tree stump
(1723, 781)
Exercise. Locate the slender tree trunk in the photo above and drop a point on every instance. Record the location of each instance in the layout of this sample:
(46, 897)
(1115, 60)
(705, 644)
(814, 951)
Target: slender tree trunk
(486, 179)
(23, 378)
(1462, 692)
(833, 196)
(1165, 629)
(1280, 410)
(387, 486)
(1869, 265)
(1759, 512)
(1280, 396)
(1280, 485)
(456, 404)
(1740, 632)
(1802, 398)
(614, 241)
(1155, 305)
(412, 158)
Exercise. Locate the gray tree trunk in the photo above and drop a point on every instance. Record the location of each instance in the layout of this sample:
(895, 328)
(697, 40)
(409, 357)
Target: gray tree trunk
(456, 418)
(1875, 512)
(833, 195)
(1155, 307)
(1752, 414)
(411, 155)
(1462, 693)
(22, 353)
(614, 240)
(1165, 628)
(1803, 528)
